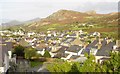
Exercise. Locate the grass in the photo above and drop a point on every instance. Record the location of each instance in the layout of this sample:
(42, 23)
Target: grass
(35, 63)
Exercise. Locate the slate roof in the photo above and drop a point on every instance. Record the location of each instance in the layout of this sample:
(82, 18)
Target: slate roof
(48, 49)
(104, 42)
(62, 49)
(80, 59)
(105, 50)
(59, 55)
(61, 52)
(74, 48)
(89, 46)
(74, 57)
(47, 38)
(73, 34)
(69, 39)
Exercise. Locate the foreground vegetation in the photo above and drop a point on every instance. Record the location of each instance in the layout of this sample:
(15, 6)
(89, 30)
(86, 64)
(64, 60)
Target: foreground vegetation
(111, 65)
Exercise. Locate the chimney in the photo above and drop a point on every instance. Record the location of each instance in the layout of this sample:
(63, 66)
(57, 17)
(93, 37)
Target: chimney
(77, 34)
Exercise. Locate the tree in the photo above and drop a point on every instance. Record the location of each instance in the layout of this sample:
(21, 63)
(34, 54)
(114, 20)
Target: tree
(75, 67)
(47, 54)
(113, 64)
(29, 53)
(89, 65)
(59, 67)
(19, 51)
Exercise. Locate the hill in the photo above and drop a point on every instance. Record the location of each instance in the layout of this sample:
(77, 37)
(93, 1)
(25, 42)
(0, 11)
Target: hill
(65, 19)
(12, 23)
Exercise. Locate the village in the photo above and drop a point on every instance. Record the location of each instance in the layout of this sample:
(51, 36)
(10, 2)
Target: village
(70, 46)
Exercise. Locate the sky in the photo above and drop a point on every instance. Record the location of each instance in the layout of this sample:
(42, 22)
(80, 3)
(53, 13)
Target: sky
(23, 10)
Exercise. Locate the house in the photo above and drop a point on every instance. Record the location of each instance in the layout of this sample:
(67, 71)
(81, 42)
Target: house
(55, 48)
(80, 59)
(67, 41)
(72, 35)
(30, 34)
(117, 45)
(30, 40)
(81, 32)
(74, 50)
(5, 55)
(104, 51)
(73, 57)
(90, 48)
(78, 42)
(61, 52)
(23, 43)
(96, 34)
(41, 48)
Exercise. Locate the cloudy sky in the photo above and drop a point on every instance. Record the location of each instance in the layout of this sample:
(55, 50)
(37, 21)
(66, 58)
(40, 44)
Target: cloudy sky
(28, 9)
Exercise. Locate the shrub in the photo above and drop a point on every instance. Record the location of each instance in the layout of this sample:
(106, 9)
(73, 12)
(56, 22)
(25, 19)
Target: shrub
(47, 54)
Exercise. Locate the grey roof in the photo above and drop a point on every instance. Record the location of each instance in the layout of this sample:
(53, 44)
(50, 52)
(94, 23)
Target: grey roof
(62, 49)
(48, 49)
(69, 39)
(80, 59)
(73, 34)
(105, 50)
(104, 42)
(47, 38)
(92, 45)
(59, 55)
(89, 46)
(74, 57)
(61, 52)
(74, 48)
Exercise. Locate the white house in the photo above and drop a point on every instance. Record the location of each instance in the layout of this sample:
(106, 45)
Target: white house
(73, 50)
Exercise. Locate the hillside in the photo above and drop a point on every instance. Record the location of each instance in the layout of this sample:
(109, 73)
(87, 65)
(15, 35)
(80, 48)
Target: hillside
(12, 23)
(66, 19)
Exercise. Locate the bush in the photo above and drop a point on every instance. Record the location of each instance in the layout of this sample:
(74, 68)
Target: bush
(35, 63)
(47, 54)
(29, 53)
(19, 51)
